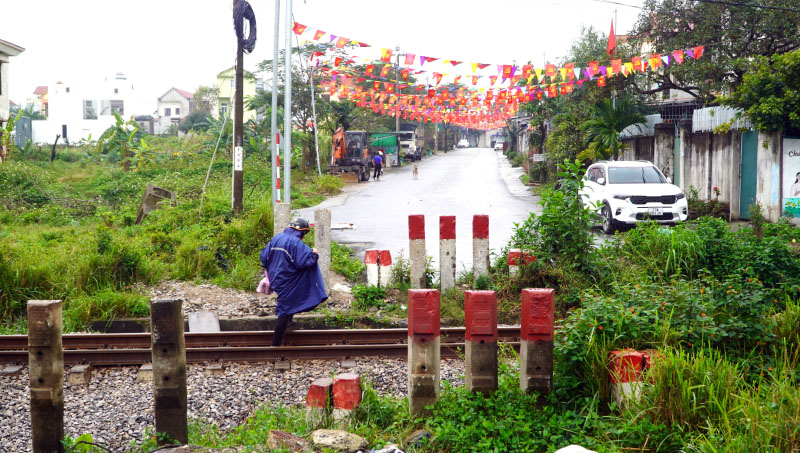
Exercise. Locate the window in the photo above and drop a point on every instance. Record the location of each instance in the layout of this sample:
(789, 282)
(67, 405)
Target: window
(635, 175)
(177, 111)
(109, 107)
(223, 109)
(116, 90)
(89, 109)
(167, 111)
(232, 85)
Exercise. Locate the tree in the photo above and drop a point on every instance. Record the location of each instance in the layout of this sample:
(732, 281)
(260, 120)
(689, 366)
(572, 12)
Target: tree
(199, 120)
(603, 129)
(770, 92)
(732, 33)
(205, 98)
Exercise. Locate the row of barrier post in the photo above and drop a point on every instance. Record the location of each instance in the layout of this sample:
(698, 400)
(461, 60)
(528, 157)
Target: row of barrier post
(480, 349)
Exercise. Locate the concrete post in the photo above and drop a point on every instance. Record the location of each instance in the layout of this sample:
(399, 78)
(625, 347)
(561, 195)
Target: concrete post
(516, 258)
(627, 370)
(423, 349)
(46, 363)
(536, 341)
(384, 268)
(281, 218)
(169, 369)
(480, 245)
(416, 247)
(480, 309)
(447, 252)
(371, 262)
(318, 401)
(322, 241)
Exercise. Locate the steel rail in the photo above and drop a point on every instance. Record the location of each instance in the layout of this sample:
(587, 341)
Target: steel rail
(138, 356)
(84, 341)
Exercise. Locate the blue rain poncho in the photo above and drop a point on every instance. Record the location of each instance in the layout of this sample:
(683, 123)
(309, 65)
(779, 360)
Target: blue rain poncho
(293, 273)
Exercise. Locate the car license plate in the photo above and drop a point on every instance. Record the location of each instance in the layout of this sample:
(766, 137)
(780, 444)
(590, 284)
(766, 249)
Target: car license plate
(655, 211)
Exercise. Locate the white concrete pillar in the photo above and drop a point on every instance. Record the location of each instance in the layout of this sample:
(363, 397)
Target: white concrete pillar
(322, 241)
(447, 252)
(384, 268)
(480, 245)
(371, 261)
(416, 247)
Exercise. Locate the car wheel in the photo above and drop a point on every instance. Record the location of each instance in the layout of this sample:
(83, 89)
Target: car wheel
(608, 222)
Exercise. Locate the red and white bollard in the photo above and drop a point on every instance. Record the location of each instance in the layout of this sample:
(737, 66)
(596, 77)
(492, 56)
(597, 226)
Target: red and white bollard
(318, 400)
(480, 246)
(423, 348)
(416, 250)
(536, 340)
(384, 268)
(447, 252)
(626, 374)
(371, 261)
(346, 395)
(480, 310)
(516, 258)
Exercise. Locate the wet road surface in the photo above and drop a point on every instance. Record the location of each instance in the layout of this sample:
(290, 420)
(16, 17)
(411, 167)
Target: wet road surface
(462, 182)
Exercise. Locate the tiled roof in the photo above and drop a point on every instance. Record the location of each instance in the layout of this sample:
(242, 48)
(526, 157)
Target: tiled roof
(40, 90)
(185, 93)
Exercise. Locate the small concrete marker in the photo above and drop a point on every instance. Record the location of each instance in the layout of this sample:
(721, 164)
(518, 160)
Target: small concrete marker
(11, 371)
(371, 261)
(322, 241)
(145, 373)
(384, 268)
(447, 252)
(282, 365)
(346, 395)
(536, 340)
(480, 246)
(318, 400)
(80, 375)
(423, 348)
(626, 374)
(480, 347)
(203, 321)
(169, 370)
(46, 364)
(280, 219)
(416, 250)
(347, 364)
(215, 369)
(516, 258)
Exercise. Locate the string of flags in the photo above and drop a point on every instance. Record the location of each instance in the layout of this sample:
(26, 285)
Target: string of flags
(478, 108)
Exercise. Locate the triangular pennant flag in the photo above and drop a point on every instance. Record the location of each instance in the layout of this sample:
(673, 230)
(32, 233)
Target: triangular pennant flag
(628, 68)
(386, 55)
(698, 52)
(612, 41)
(409, 58)
(438, 77)
(602, 70)
(601, 81)
(563, 72)
(422, 60)
(318, 34)
(482, 65)
(362, 44)
(369, 69)
(594, 68)
(333, 38)
(455, 81)
(538, 72)
(341, 42)
(385, 70)
(298, 28)
(576, 72)
(455, 63)
(474, 67)
(337, 61)
(493, 79)
(665, 59)
(376, 85)
(404, 74)
(475, 79)
(678, 56)
(690, 52)
(430, 59)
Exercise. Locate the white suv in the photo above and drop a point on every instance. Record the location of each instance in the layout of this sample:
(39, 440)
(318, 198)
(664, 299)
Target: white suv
(626, 192)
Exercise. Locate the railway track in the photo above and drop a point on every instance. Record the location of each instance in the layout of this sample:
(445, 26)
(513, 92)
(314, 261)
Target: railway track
(252, 346)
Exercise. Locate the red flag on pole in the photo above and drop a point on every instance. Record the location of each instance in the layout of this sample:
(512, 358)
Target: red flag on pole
(612, 41)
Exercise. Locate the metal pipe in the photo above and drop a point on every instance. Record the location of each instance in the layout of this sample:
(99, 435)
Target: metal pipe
(287, 109)
(274, 114)
(314, 115)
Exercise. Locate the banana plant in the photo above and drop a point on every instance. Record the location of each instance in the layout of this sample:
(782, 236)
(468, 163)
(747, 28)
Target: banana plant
(118, 141)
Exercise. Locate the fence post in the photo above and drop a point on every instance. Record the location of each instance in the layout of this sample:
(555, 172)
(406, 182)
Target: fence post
(280, 219)
(480, 245)
(536, 341)
(46, 363)
(416, 247)
(447, 252)
(169, 370)
(423, 348)
(322, 241)
(480, 309)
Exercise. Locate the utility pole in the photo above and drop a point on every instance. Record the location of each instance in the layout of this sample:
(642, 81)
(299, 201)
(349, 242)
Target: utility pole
(287, 109)
(238, 131)
(274, 120)
(314, 115)
(397, 90)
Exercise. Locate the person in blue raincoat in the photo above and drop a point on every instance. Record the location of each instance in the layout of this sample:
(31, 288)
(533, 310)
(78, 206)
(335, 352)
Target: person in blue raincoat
(293, 274)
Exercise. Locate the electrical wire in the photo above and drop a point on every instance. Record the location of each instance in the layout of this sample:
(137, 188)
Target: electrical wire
(241, 12)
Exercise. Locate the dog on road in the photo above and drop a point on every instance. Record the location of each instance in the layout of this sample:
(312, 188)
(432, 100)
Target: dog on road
(416, 171)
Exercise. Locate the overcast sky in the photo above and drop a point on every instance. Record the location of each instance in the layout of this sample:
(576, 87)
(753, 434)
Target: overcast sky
(185, 43)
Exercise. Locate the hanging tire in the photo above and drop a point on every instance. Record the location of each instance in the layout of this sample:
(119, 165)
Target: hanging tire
(609, 224)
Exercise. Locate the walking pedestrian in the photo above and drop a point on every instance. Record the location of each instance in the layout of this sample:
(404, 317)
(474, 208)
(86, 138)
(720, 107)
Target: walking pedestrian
(294, 274)
(377, 161)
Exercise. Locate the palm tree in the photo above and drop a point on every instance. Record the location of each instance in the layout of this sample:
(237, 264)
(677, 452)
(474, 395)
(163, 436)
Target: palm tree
(604, 128)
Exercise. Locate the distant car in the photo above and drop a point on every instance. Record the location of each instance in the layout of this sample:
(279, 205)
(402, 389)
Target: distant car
(627, 192)
(498, 146)
(463, 143)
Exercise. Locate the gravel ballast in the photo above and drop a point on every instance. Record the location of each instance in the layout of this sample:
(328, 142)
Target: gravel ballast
(116, 409)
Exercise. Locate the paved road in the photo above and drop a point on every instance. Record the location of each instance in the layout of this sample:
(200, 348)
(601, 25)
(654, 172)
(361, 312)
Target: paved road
(462, 183)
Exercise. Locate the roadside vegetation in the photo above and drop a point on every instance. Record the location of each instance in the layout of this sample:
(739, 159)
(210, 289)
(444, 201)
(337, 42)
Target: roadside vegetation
(67, 227)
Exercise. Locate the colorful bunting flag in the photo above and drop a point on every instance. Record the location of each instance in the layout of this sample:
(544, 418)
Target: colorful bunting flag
(594, 68)
(493, 79)
(678, 56)
(337, 61)
(637, 63)
(409, 59)
(369, 69)
(698, 52)
(601, 81)
(318, 34)
(404, 74)
(298, 28)
(385, 70)
(475, 79)
(386, 55)
(341, 42)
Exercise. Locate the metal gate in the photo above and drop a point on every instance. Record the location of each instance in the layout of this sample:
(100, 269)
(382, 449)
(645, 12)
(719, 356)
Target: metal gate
(747, 173)
(23, 131)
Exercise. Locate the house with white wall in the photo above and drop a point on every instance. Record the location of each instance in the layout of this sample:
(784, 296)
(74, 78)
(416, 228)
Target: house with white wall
(7, 50)
(81, 111)
(173, 106)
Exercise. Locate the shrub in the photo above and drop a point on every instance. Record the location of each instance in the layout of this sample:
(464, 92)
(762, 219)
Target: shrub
(329, 184)
(366, 297)
(343, 262)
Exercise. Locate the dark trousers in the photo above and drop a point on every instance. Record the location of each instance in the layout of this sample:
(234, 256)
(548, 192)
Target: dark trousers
(280, 329)
(377, 172)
